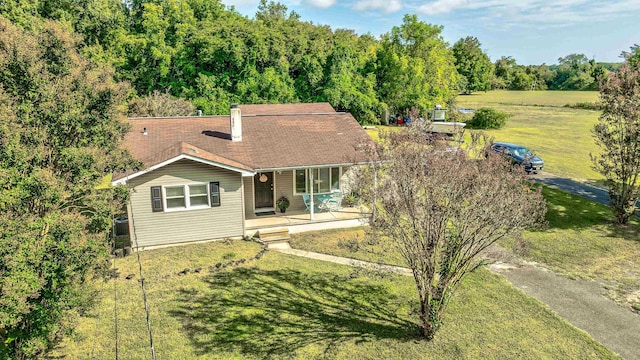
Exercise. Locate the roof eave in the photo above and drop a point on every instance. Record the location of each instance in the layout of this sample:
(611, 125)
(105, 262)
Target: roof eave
(315, 166)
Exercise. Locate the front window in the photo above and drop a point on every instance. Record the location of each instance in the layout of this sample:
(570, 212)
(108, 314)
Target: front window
(335, 179)
(522, 152)
(325, 180)
(182, 197)
(175, 197)
(198, 195)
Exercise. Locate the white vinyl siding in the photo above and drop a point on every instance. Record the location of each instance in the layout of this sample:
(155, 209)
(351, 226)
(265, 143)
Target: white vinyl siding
(204, 223)
(284, 187)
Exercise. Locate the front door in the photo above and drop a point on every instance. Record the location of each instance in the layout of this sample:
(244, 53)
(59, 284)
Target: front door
(263, 185)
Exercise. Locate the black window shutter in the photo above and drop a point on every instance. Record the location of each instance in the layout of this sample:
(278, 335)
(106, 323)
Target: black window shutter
(156, 198)
(214, 190)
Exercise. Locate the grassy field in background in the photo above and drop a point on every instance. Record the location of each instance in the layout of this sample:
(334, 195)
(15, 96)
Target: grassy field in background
(285, 307)
(561, 136)
(530, 98)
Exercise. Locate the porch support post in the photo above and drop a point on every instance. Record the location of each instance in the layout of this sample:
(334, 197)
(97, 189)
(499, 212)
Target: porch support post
(311, 192)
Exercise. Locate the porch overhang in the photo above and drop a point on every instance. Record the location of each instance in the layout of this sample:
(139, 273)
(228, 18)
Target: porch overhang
(315, 166)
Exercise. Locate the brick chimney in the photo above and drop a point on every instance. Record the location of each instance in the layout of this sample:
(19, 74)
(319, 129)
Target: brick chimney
(236, 123)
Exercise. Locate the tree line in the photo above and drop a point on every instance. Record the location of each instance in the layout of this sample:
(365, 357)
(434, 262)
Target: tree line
(212, 56)
(573, 72)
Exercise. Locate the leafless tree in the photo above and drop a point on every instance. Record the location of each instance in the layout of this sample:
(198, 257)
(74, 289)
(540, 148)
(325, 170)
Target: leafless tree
(160, 104)
(617, 133)
(441, 207)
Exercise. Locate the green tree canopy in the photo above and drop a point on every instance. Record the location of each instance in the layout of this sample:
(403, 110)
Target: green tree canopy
(60, 128)
(632, 57)
(415, 67)
(473, 64)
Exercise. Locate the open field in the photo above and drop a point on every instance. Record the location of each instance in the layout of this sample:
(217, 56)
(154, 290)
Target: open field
(529, 98)
(561, 136)
(285, 307)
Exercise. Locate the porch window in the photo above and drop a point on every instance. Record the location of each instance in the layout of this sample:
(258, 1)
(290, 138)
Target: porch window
(301, 181)
(322, 181)
(335, 179)
(325, 180)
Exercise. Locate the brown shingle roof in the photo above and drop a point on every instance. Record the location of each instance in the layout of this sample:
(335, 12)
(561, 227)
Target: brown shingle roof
(283, 109)
(268, 141)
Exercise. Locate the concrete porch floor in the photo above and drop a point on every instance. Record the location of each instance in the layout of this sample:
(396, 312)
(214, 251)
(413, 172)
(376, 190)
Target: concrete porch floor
(298, 220)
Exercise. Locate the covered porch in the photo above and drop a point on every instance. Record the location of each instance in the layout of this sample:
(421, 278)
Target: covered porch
(299, 220)
(326, 185)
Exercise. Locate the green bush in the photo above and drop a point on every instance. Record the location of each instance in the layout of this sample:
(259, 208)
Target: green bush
(586, 106)
(351, 244)
(488, 118)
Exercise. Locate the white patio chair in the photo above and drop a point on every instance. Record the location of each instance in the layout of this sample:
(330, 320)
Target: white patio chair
(335, 201)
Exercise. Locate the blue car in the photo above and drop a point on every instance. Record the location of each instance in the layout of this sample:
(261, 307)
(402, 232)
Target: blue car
(519, 155)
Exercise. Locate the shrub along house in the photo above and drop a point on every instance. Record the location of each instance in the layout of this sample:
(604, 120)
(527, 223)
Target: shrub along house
(204, 176)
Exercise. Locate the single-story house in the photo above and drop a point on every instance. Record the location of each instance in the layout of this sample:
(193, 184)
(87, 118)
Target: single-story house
(203, 176)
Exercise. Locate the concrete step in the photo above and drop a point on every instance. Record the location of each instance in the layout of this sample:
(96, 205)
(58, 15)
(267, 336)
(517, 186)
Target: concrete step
(274, 235)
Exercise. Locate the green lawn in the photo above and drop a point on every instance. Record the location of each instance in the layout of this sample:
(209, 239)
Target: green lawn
(535, 98)
(285, 307)
(560, 136)
(350, 243)
(375, 133)
(580, 242)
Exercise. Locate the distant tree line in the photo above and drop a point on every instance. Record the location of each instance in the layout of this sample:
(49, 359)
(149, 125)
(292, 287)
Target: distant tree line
(573, 72)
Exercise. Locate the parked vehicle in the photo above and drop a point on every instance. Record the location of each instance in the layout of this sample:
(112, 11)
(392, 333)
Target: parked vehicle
(519, 155)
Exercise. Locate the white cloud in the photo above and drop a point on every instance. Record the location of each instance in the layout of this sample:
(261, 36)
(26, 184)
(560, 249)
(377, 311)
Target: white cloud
(239, 2)
(386, 6)
(531, 12)
(315, 3)
(443, 6)
(323, 4)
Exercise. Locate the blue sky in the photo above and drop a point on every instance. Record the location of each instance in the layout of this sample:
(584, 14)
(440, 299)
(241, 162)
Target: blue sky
(531, 31)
